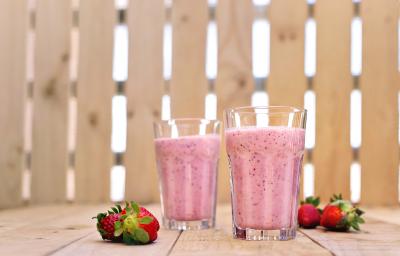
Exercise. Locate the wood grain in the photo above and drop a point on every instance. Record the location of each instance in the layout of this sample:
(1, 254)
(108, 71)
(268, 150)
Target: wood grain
(188, 82)
(54, 230)
(17, 218)
(333, 84)
(379, 153)
(50, 101)
(95, 90)
(219, 241)
(13, 33)
(376, 238)
(144, 91)
(287, 82)
(385, 214)
(234, 85)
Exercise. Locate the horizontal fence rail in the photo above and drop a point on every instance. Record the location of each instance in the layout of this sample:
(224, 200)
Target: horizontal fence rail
(82, 82)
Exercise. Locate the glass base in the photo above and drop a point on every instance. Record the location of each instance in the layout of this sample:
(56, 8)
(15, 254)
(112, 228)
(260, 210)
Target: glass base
(257, 235)
(188, 225)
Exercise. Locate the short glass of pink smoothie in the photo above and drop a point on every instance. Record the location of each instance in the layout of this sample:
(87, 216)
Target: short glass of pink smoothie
(187, 153)
(265, 149)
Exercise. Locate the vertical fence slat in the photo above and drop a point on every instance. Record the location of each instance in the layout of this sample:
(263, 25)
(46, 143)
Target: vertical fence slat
(12, 95)
(50, 101)
(234, 85)
(144, 90)
(94, 94)
(287, 82)
(333, 84)
(379, 154)
(188, 84)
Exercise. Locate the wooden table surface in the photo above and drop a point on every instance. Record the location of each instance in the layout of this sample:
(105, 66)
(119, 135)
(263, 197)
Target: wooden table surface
(69, 230)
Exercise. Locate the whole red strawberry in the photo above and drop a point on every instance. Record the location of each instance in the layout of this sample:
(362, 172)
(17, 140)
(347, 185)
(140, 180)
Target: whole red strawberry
(106, 223)
(308, 213)
(332, 216)
(132, 225)
(341, 215)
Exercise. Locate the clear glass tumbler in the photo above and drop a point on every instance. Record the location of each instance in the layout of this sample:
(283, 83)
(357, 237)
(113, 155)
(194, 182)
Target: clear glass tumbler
(187, 153)
(265, 147)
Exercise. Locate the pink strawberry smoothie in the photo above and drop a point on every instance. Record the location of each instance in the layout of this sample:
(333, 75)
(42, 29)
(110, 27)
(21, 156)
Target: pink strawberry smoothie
(188, 172)
(265, 169)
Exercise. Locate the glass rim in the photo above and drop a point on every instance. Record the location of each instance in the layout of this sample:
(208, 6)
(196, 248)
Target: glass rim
(276, 109)
(187, 121)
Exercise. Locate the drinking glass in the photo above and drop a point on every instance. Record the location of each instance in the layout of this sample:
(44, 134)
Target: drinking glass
(265, 147)
(187, 153)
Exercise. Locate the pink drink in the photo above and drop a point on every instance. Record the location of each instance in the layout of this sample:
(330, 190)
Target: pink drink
(188, 171)
(265, 169)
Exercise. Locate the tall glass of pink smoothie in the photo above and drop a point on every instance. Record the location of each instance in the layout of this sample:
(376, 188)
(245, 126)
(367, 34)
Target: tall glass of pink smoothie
(187, 152)
(265, 149)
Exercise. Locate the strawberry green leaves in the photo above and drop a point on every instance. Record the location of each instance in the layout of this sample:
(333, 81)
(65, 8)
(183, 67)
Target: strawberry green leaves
(311, 200)
(145, 220)
(336, 197)
(100, 216)
(128, 238)
(118, 228)
(132, 208)
(135, 207)
(141, 235)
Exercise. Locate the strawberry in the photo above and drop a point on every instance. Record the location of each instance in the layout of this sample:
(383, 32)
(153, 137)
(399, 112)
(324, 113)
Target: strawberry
(132, 225)
(341, 215)
(308, 213)
(106, 222)
(137, 225)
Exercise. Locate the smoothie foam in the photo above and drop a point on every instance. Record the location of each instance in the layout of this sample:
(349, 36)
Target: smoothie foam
(187, 167)
(265, 168)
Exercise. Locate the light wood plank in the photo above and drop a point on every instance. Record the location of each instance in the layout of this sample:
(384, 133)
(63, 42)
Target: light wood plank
(376, 238)
(50, 100)
(95, 90)
(144, 91)
(333, 84)
(379, 154)
(13, 219)
(188, 84)
(385, 214)
(13, 33)
(287, 82)
(234, 85)
(219, 241)
(42, 237)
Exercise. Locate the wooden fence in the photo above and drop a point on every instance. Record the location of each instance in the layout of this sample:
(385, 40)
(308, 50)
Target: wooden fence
(38, 85)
